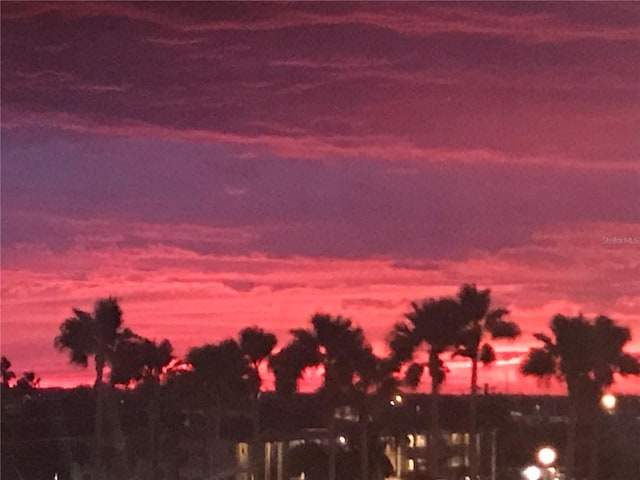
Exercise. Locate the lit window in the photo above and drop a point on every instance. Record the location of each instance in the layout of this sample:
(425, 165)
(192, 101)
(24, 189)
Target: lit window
(421, 441)
(411, 440)
(411, 465)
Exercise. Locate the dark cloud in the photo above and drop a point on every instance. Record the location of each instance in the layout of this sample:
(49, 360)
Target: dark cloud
(419, 74)
(290, 207)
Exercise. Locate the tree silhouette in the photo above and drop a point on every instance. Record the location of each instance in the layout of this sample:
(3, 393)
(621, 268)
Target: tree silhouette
(342, 349)
(86, 335)
(586, 356)
(479, 321)
(137, 359)
(140, 360)
(7, 375)
(350, 371)
(256, 345)
(94, 335)
(434, 324)
(220, 374)
(290, 363)
(374, 386)
(27, 383)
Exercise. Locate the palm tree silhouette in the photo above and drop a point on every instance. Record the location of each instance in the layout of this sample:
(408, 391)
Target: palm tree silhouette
(434, 324)
(220, 374)
(289, 364)
(478, 321)
(86, 335)
(586, 356)
(256, 345)
(374, 386)
(140, 360)
(341, 349)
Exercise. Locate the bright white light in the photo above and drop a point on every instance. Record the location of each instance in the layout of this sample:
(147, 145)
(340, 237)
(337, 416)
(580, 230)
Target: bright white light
(608, 401)
(532, 473)
(342, 440)
(546, 456)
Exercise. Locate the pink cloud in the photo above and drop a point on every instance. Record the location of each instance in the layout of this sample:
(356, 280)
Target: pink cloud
(313, 147)
(415, 20)
(189, 297)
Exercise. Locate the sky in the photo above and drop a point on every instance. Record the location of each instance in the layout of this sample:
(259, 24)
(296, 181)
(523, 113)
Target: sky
(220, 165)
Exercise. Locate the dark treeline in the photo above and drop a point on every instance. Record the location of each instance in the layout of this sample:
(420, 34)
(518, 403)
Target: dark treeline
(213, 377)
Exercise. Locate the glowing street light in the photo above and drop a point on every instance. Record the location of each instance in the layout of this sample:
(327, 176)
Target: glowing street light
(396, 400)
(547, 456)
(608, 401)
(532, 473)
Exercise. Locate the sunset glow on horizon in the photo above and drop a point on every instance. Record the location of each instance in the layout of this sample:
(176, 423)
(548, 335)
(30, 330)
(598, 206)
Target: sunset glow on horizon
(222, 165)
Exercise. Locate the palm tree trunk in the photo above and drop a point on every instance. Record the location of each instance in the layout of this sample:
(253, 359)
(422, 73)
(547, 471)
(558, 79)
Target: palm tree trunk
(473, 420)
(153, 431)
(217, 435)
(206, 442)
(571, 440)
(434, 459)
(434, 444)
(98, 446)
(255, 438)
(595, 445)
(332, 444)
(364, 442)
(118, 443)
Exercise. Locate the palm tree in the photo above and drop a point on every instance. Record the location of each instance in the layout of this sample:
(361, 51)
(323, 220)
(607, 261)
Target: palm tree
(373, 387)
(341, 349)
(289, 364)
(91, 335)
(256, 345)
(435, 324)
(140, 360)
(478, 321)
(87, 335)
(220, 373)
(586, 356)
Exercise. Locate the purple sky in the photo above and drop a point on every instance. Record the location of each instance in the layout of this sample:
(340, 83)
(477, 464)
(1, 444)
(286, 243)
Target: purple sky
(218, 165)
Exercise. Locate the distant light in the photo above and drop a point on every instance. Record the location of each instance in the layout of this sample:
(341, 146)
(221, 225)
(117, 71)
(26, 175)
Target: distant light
(342, 440)
(532, 473)
(398, 398)
(608, 401)
(411, 465)
(547, 456)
